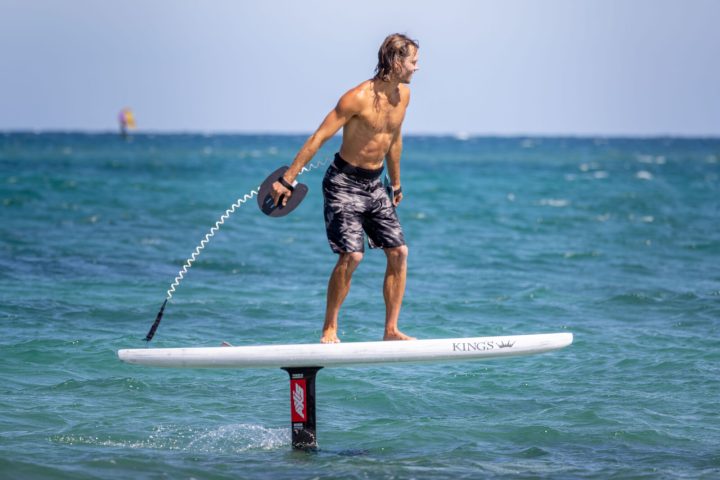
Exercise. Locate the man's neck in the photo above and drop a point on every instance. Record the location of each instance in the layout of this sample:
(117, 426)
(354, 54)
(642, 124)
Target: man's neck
(387, 88)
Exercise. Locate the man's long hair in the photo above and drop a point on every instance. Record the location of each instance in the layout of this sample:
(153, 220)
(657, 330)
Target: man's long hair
(395, 48)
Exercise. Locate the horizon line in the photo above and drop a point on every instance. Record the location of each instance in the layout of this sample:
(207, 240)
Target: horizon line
(460, 135)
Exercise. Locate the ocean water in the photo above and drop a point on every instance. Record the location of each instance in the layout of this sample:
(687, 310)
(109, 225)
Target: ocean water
(616, 240)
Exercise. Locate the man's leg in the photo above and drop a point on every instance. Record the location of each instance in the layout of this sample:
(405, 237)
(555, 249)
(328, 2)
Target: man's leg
(394, 290)
(338, 288)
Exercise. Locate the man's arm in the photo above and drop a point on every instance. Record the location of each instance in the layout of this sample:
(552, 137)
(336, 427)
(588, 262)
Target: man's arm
(393, 156)
(393, 164)
(347, 107)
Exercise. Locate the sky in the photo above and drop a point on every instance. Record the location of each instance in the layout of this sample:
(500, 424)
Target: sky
(501, 67)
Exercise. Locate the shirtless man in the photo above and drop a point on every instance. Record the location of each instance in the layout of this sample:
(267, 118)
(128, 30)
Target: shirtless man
(371, 116)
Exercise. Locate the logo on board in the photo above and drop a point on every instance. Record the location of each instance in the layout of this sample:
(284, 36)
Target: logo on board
(298, 410)
(481, 346)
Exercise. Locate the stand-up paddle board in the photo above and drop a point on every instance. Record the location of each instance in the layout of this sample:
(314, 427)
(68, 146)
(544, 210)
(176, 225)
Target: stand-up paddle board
(351, 353)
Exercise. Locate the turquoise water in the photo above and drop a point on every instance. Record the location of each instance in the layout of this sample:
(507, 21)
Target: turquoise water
(615, 240)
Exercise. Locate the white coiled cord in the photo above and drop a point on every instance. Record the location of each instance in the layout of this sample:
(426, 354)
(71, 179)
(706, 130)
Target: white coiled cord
(240, 201)
(189, 262)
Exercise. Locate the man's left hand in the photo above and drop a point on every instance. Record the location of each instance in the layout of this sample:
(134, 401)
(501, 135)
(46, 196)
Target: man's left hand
(397, 196)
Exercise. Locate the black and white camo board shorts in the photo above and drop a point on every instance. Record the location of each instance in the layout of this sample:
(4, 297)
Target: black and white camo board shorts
(356, 203)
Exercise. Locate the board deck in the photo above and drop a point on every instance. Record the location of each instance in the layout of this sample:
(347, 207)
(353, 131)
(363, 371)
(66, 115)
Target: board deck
(351, 353)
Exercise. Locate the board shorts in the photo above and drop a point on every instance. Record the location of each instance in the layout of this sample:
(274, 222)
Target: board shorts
(357, 203)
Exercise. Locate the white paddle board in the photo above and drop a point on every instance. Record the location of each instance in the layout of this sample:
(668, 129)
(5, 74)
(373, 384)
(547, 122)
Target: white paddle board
(351, 353)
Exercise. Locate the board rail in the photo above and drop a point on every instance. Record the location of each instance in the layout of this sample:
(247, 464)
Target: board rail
(350, 353)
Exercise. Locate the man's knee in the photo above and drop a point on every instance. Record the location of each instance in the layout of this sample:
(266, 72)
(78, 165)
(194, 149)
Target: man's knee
(350, 260)
(397, 255)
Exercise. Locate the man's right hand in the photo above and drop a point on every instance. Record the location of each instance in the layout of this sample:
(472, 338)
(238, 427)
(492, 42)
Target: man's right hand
(280, 194)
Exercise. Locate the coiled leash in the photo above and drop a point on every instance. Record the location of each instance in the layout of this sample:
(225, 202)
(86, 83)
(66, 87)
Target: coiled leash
(267, 206)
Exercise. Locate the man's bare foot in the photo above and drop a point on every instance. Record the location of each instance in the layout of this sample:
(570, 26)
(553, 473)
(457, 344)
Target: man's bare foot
(397, 335)
(329, 336)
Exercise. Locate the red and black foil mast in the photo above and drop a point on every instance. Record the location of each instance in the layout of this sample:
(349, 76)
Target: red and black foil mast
(302, 407)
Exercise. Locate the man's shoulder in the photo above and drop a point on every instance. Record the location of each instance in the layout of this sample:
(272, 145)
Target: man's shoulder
(361, 91)
(357, 96)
